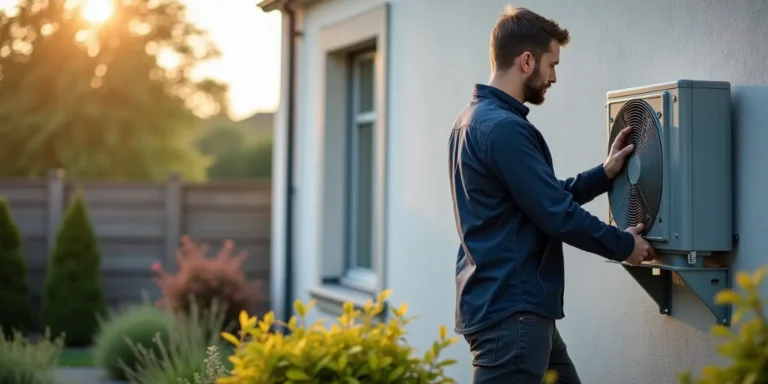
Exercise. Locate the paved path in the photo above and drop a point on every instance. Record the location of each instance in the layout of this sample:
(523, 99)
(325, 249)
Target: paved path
(83, 376)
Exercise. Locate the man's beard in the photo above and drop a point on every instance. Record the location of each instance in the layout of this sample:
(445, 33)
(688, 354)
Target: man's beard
(534, 88)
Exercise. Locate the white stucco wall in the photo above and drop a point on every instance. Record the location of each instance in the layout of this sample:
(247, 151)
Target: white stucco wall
(438, 50)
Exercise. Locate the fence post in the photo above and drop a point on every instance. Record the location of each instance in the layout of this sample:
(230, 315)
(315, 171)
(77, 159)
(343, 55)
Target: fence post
(173, 218)
(55, 205)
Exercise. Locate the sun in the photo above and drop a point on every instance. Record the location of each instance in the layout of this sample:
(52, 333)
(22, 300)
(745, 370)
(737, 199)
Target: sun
(97, 11)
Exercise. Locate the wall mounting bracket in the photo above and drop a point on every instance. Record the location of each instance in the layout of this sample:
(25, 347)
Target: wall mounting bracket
(657, 279)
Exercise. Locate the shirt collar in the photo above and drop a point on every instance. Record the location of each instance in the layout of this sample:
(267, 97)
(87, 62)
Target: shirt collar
(491, 92)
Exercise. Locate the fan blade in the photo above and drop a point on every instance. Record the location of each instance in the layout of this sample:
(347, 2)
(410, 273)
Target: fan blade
(636, 208)
(620, 190)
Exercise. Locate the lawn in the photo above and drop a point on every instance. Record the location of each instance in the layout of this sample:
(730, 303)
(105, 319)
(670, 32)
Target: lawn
(76, 358)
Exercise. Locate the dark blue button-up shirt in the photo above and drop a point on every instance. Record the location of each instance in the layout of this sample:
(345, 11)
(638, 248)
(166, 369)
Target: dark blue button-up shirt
(513, 214)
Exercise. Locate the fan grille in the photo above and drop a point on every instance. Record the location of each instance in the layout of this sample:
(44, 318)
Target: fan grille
(635, 195)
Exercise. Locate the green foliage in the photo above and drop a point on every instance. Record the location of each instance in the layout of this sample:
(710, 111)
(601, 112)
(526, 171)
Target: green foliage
(206, 280)
(214, 368)
(237, 153)
(14, 280)
(253, 161)
(259, 159)
(137, 323)
(73, 298)
(94, 99)
(221, 139)
(748, 348)
(357, 349)
(24, 362)
(183, 356)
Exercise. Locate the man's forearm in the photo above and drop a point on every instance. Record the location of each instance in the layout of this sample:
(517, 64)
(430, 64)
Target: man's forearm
(587, 185)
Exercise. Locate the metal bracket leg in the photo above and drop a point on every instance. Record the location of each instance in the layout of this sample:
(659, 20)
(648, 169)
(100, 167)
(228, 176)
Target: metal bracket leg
(706, 284)
(658, 287)
(656, 281)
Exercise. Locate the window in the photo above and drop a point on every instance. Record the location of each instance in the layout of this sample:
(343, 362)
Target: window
(351, 165)
(360, 272)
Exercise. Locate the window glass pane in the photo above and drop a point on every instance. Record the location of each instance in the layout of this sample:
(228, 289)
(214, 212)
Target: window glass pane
(365, 81)
(364, 185)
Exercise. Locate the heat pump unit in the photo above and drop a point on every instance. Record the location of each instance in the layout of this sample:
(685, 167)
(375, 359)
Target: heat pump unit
(678, 180)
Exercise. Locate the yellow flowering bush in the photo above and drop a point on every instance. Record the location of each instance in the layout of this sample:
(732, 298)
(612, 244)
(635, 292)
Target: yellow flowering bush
(748, 348)
(357, 348)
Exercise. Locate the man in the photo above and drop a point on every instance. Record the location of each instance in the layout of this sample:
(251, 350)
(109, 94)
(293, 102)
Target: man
(513, 214)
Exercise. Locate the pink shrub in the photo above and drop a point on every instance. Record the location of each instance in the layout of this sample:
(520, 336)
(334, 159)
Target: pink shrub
(205, 278)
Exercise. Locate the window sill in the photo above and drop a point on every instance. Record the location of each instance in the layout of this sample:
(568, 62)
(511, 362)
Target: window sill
(330, 298)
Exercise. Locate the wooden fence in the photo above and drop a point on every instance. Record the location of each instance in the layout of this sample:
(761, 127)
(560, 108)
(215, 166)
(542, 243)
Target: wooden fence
(139, 223)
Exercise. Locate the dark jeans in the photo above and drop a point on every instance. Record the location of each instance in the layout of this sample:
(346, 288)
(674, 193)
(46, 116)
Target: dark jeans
(519, 350)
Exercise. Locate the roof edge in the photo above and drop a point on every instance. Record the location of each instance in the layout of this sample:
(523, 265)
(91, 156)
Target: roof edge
(271, 5)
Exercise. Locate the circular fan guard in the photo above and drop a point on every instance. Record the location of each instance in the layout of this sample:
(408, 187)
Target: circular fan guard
(635, 195)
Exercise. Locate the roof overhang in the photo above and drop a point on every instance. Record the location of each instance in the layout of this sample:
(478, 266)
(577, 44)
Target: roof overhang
(271, 5)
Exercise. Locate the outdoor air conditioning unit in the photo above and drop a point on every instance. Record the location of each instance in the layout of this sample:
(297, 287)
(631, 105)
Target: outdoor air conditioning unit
(677, 183)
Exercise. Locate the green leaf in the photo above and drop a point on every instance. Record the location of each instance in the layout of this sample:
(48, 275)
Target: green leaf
(297, 375)
(447, 362)
(395, 374)
(727, 296)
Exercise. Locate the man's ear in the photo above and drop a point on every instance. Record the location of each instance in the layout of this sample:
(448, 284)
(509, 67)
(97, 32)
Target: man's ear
(527, 62)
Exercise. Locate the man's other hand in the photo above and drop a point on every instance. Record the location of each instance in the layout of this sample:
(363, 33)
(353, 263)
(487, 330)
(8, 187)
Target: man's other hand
(620, 149)
(642, 251)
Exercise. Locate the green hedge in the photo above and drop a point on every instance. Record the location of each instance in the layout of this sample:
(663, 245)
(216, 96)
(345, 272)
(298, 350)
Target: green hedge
(73, 298)
(14, 280)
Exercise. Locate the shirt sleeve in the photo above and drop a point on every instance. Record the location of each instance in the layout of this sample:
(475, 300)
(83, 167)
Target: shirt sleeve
(516, 158)
(587, 185)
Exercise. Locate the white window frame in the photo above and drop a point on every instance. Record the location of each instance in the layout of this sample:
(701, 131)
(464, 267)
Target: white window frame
(355, 276)
(335, 281)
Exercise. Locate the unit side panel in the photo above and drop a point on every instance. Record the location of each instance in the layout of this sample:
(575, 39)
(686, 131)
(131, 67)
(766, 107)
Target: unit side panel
(680, 188)
(667, 210)
(712, 178)
(670, 214)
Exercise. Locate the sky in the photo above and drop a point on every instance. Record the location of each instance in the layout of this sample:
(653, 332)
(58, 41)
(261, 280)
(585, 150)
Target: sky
(249, 41)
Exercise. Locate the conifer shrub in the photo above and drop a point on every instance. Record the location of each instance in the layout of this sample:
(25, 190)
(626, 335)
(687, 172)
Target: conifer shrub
(747, 347)
(360, 347)
(73, 298)
(14, 279)
(201, 280)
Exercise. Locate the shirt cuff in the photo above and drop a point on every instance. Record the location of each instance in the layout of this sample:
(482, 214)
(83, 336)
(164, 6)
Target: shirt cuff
(625, 246)
(597, 179)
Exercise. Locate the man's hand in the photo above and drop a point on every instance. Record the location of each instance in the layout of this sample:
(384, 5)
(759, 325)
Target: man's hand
(642, 251)
(620, 149)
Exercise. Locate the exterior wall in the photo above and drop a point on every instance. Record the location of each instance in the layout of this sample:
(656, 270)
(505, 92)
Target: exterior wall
(139, 223)
(437, 51)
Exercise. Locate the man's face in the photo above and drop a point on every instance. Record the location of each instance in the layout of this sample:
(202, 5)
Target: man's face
(543, 76)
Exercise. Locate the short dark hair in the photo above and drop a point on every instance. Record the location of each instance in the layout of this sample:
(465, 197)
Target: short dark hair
(519, 30)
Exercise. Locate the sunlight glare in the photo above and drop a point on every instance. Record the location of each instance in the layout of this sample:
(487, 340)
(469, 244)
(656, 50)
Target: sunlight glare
(9, 7)
(97, 11)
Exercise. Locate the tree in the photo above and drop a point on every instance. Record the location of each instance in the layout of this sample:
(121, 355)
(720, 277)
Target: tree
(237, 153)
(95, 100)
(14, 282)
(73, 298)
(221, 139)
